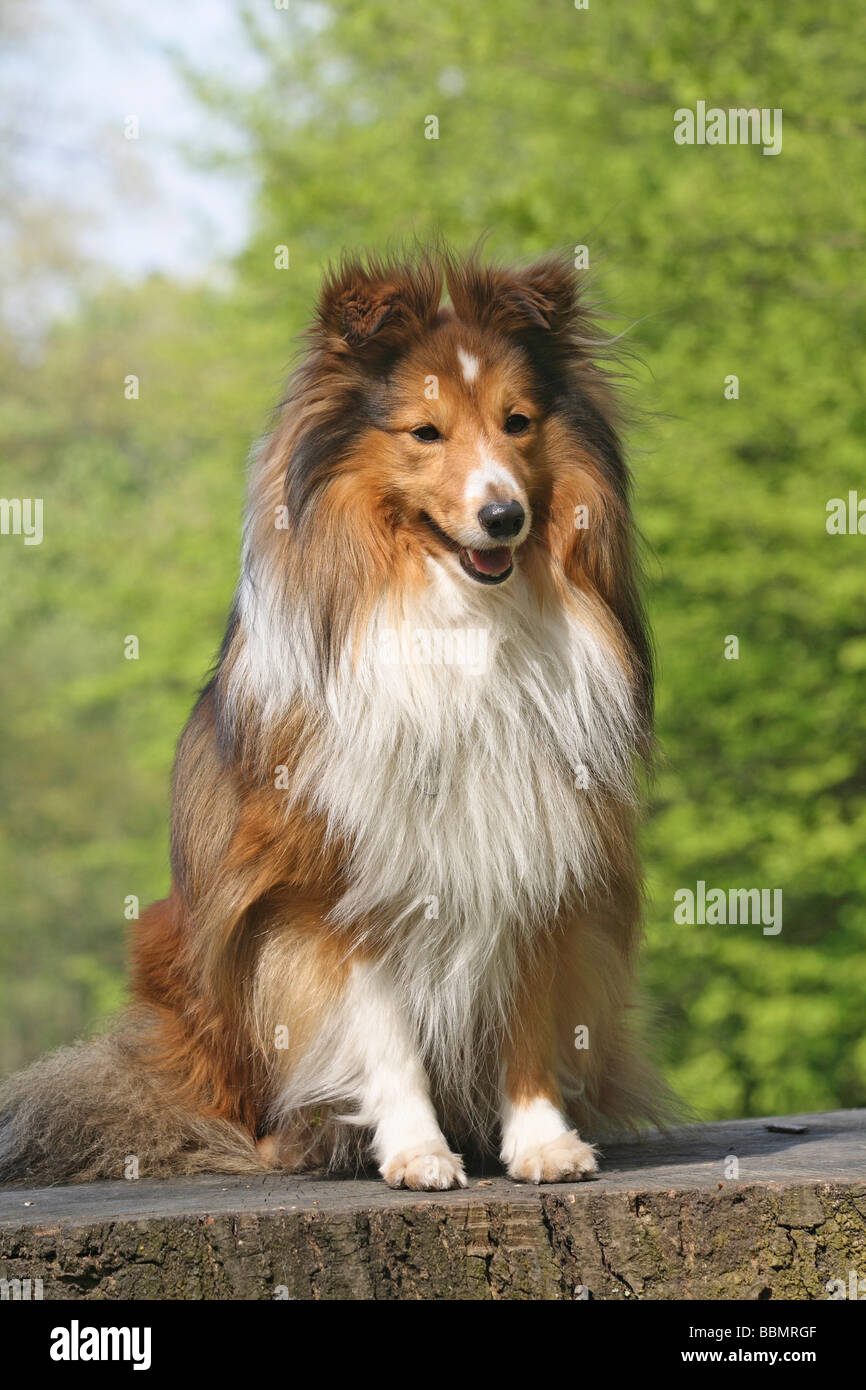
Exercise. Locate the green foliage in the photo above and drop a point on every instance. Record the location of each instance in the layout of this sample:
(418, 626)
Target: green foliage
(555, 129)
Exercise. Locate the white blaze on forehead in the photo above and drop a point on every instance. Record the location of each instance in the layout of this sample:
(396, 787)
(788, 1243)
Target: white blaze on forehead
(470, 365)
(490, 477)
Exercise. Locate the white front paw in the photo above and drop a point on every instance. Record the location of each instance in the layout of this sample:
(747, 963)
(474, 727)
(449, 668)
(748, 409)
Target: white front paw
(424, 1169)
(563, 1159)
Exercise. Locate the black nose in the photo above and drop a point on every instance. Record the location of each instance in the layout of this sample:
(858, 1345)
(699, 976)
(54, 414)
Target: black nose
(502, 520)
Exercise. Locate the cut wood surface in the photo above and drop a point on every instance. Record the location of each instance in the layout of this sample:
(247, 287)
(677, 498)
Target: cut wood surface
(768, 1208)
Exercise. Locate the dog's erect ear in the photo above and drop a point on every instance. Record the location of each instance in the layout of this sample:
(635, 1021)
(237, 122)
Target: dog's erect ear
(378, 302)
(362, 315)
(541, 297)
(550, 288)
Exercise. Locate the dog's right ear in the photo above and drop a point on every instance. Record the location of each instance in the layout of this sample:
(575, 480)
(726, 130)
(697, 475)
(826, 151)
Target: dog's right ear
(377, 303)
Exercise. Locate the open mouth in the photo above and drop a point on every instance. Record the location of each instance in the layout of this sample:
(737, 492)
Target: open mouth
(488, 566)
(491, 566)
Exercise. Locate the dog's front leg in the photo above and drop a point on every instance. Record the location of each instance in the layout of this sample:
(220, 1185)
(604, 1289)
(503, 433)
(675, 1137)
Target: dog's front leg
(538, 1142)
(394, 1095)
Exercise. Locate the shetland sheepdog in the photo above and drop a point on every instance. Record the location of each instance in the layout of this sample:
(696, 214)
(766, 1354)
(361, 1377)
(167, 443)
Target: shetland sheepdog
(406, 900)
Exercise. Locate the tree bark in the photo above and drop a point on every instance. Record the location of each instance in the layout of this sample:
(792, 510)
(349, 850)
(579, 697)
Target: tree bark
(667, 1219)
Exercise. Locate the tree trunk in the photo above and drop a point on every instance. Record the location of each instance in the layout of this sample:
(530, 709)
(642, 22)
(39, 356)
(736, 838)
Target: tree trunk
(733, 1211)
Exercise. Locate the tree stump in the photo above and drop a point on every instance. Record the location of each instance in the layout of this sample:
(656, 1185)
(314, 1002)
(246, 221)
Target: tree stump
(744, 1209)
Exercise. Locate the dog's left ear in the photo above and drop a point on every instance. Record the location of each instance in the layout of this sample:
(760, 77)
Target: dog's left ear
(539, 298)
(548, 292)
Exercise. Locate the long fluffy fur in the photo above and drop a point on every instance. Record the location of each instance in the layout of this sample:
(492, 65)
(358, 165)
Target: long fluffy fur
(349, 831)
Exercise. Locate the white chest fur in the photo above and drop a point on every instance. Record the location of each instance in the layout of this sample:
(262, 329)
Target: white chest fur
(458, 758)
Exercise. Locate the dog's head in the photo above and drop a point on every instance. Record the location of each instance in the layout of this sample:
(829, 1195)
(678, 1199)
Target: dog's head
(453, 413)
(453, 417)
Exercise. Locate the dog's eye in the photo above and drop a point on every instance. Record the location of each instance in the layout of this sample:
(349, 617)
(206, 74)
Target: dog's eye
(428, 434)
(517, 424)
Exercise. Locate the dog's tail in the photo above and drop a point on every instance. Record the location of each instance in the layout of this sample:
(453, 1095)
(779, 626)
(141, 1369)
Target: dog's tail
(97, 1110)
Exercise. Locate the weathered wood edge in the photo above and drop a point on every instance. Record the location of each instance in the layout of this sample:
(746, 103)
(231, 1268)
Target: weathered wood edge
(667, 1219)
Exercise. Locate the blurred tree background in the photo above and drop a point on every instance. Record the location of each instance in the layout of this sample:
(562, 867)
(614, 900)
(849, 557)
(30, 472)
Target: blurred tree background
(555, 130)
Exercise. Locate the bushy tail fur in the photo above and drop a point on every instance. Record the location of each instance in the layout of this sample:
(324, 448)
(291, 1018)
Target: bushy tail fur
(85, 1111)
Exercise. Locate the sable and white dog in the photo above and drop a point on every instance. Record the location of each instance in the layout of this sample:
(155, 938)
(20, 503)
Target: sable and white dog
(406, 902)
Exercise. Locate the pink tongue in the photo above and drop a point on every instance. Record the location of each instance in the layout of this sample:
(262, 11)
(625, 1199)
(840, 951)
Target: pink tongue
(491, 561)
